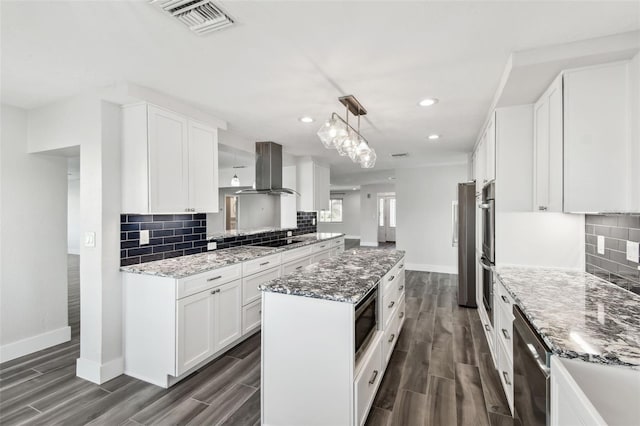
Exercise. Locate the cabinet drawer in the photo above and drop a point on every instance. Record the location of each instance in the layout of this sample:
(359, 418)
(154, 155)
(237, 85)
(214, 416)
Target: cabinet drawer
(206, 280)
(401, 314)
(505, 371)
(250, 284)
(367, 382)
(504, 330)
(390, 338)
(251, 316)
(390, 280)
(319, 256)
(504, 299)
(337, 242)
(298, 253)
(260, 264)
(290, 267)
(390, 303)
(321, 246)
(399, 285)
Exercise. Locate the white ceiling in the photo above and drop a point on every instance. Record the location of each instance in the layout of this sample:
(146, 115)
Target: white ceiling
(287, 59)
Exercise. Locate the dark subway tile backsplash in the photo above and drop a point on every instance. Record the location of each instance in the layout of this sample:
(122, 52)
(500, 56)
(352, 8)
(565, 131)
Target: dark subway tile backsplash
(613, 265)
(184, 234)
(169, 236)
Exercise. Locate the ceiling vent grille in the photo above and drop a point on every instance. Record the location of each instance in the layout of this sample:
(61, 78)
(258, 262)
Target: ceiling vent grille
(201, 16)
(400, 155)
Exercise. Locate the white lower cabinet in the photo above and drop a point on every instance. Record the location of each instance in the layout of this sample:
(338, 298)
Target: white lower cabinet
(367, 381)
(194, 330)
(317, 257)
(251, 316)
(173, 326)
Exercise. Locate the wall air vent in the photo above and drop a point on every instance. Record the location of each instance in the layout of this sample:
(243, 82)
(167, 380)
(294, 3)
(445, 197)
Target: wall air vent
(400, 155)
(201, 16)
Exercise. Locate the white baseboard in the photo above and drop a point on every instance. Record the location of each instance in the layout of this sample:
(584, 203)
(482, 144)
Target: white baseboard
(99, 373)
(369, 244)
(352, 237)
(423, 267)
(33, 344)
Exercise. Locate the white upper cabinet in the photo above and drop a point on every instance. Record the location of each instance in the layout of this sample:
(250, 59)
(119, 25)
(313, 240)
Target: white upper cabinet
(547, 149)
(169, 162)
(313, 186)
(597, 139)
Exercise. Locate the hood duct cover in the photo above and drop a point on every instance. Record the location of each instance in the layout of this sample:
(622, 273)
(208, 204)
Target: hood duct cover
(268, 171)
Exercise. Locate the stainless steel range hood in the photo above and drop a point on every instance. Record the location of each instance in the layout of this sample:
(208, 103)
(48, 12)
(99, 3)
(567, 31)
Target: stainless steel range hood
(268, 171)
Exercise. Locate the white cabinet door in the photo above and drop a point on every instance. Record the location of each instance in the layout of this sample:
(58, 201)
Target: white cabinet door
(313, 186)
(251, 316)
(194, 329)
(490, 141)
(203, 168)
(547, 149)
(168, 161)
(321, 184)
(481, 157)
(228, 313)
(596, 138)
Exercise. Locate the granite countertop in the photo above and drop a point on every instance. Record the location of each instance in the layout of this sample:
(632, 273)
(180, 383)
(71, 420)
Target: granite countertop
(577, 314)
(249, 231)
(181, 267)
(345, 278)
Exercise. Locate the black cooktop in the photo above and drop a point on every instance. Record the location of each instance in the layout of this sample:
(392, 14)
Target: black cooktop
(277, 243)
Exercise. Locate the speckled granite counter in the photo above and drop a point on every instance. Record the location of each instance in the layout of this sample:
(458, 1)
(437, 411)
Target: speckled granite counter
(346, 278)
(181, 267)
(577, 314)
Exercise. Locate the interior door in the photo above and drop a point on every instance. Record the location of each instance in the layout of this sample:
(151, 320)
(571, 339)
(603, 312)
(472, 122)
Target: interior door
(387, 218)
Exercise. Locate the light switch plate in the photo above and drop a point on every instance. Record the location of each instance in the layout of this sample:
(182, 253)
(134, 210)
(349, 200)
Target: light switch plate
(600, 244)
(212, 246)
(89, 239)
(289, 233)
(144, 237)
(633, 251)
(313, 221)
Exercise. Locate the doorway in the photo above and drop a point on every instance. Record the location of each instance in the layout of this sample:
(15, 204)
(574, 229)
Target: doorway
(387, 217)
(230, 212)
(73, 246)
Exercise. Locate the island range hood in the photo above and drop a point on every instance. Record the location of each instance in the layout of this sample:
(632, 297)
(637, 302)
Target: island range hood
(268, 171)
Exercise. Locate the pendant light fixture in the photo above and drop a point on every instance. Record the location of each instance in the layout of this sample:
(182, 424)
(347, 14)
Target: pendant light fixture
(234, 180)
(337, 133)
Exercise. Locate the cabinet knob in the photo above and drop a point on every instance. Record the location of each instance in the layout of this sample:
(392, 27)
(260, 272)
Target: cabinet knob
(400, 288)
(393, 336)
(506, 334)
(391, 305)
(506, 378)
(217, 290)
(391, 277)
(504, 299)
(542, 208)
(401, 315)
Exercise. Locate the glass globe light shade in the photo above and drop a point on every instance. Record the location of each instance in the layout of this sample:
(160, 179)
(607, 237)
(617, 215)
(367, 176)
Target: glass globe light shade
(235, 181)
(368, 160)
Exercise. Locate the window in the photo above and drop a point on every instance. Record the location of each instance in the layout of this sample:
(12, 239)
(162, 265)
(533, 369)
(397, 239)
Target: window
(334, 214)
(380, 211)
(392, 212)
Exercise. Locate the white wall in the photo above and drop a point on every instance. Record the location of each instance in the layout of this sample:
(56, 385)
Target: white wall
(369, 212)
(73, 216)
(33, 283)
(94, 126)
(350, 225)
(424, 230)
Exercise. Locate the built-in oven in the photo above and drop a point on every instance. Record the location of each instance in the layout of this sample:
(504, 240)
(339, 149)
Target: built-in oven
(366, 320)
(487, 261)
(531, 357)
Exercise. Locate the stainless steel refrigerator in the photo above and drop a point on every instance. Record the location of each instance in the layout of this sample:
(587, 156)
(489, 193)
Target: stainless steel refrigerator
(467, 244)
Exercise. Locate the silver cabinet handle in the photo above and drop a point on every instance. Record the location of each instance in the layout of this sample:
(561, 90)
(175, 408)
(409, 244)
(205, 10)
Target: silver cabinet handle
(542, 208)
(402, 266)
(391, 305)
(393, 336)
(506, 334)
(484, 206)
(323, 246)
(373, 377)
(264, 263)
(506, 378)
(214, 278)
(486, 327)
(392, 277)
(217, 290)
(504, 299)
(299, 267)
(401, 315)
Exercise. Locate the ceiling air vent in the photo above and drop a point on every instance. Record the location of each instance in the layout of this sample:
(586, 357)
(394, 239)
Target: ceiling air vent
(400, 155)
(201, 16)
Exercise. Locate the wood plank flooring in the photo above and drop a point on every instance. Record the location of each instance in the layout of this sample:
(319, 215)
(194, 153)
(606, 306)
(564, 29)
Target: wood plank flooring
(440, 373)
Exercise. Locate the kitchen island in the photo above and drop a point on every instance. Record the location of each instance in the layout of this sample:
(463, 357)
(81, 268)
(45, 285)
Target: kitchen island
(323, 354)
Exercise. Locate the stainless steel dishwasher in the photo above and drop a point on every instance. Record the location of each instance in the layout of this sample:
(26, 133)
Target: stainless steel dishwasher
(531, 373)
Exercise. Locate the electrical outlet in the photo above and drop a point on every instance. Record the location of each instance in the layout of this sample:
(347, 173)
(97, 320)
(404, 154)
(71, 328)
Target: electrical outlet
(313, 221)
(212, 246)
(144, 237)
(289, 233)
(633, 251)
(600, 244)
(89, 239)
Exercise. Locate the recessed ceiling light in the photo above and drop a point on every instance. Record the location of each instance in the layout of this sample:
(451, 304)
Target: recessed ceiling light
(354, 188)
(306, 119)
(428, 102)
(433, 137)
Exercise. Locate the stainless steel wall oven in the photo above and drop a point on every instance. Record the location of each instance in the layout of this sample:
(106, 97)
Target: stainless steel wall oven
(366, 320)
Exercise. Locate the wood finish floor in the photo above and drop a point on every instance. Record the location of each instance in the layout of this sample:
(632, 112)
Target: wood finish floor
(440, 373)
